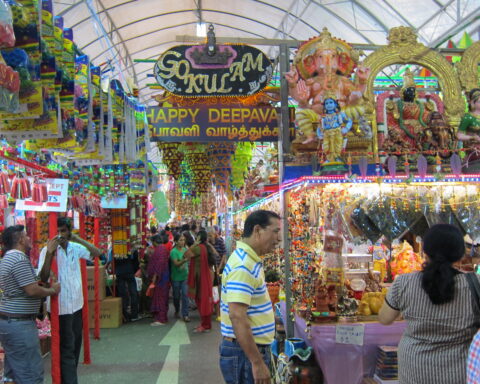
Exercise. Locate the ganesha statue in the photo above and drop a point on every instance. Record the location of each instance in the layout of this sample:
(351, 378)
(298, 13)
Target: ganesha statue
(322, 69)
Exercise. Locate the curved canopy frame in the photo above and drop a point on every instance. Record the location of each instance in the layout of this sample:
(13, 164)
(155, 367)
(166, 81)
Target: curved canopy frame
(122, 34)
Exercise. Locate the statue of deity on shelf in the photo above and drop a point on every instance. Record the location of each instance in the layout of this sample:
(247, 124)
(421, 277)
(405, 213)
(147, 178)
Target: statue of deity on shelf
(406, 118)
(323, 66)
(438, 135)
(333, 128)
(469, 129)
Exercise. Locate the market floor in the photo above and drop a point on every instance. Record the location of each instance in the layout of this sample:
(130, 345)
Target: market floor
(139, 353)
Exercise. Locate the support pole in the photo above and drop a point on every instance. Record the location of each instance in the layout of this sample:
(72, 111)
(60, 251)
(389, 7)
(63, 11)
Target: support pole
(54, 308)
(284, 147)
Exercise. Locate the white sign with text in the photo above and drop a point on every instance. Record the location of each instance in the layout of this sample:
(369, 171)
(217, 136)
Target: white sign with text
(350, 334)
(57, 196)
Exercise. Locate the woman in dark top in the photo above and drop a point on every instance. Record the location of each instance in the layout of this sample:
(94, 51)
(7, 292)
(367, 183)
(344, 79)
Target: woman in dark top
(437, 306)
(200, 278)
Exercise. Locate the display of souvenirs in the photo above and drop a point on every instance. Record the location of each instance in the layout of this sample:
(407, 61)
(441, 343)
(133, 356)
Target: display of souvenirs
(404, 259)
(386, 370)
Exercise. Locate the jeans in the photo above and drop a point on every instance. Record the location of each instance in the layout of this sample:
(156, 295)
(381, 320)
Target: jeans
(127, 290)
(70, 345)
(23, 362)
(234, 364)
(180, 291)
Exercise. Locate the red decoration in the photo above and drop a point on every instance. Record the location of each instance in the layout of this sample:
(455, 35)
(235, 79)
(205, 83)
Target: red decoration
(54, 311)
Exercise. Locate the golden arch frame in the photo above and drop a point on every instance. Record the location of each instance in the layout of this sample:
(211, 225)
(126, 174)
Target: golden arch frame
(468, 67)
(403, 48)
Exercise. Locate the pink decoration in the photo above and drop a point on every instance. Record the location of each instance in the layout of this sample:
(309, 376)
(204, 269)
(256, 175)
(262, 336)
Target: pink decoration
(422, 166)
(456, 164)
(392, 166)
(363, 166)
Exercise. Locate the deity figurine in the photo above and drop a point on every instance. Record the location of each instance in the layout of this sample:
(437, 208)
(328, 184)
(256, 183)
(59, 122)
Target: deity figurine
(324, 65)
(334, 126)
(406, 118)
(469, 128)
(438, 135)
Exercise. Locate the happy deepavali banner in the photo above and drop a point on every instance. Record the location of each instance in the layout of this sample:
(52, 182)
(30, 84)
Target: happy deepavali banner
(215, 123)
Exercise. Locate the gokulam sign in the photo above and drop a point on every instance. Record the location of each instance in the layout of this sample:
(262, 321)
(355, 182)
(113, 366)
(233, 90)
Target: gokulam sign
(205, 123)
(185, 70)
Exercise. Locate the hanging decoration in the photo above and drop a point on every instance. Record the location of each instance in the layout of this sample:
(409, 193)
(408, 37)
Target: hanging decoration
(220, 155)
(171, 157)
(199, 164)
(241, 159)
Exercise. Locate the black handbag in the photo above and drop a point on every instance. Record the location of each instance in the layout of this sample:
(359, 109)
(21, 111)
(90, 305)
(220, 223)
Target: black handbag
(474, 286)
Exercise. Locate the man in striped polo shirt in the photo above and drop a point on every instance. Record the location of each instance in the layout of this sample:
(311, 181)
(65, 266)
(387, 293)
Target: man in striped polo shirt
(19, 306)
(248, 324)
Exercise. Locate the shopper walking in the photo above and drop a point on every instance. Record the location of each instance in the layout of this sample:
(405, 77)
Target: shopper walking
(158, 271)
(19, 306)
(437, 305)
(248, 325)
(69, 249)
(179, 277)
(200, 278)
(125, 270)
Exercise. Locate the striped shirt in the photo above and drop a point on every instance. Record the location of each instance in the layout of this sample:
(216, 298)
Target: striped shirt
(434, 346)
(17, 272)
(243, 281)
(69, 276)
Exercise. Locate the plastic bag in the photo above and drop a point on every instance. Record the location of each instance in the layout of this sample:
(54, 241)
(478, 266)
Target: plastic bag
(7, 35)
(365, 224)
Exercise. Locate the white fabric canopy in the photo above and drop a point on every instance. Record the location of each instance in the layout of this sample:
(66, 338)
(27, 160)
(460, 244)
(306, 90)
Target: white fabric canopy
(121, 31)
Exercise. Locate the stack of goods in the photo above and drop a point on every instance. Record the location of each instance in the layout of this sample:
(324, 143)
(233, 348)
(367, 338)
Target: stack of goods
(90, 229)
(120, 233)
(386, 370)
(110, 307)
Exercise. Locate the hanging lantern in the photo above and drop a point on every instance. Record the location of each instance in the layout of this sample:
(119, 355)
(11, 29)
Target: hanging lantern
(39, 192)
(197, 160)
(241, 159)
(20, 188)
(171, 157)
(220, 156)
(4, 183)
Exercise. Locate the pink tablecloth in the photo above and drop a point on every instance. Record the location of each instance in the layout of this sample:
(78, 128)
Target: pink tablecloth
(346, 363)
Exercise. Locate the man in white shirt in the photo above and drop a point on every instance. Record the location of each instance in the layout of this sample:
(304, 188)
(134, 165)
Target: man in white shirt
(69, 249)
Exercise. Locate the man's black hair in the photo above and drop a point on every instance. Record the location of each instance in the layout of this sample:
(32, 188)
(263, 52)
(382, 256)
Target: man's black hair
(11, 236)
(64, 222)
(260, 217)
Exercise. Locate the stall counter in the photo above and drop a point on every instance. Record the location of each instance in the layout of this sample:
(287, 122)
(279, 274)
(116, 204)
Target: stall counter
(346, 363)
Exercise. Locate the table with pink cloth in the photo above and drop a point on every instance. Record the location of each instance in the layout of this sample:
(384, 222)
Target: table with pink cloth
(347, 363)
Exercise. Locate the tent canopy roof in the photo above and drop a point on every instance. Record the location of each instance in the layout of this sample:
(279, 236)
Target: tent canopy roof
(118, 32)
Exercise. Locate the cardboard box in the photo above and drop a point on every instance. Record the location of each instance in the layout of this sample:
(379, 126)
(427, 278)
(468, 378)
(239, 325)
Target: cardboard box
(101, 281)
(110, 313)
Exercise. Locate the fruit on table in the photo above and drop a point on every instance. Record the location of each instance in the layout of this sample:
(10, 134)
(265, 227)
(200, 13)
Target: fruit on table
(371, 303)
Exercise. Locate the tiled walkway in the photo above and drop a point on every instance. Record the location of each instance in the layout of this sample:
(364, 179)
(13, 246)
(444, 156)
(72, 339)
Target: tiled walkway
(139, 353)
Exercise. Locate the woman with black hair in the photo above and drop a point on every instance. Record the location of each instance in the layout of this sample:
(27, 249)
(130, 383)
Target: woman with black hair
(437, 305)
(200, 278)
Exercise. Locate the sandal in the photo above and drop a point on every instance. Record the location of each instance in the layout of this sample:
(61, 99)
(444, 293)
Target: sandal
(200, 329)
(186, 319)
(157, 324)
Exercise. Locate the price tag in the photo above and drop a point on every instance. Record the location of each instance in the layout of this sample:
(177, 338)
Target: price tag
(350, 334)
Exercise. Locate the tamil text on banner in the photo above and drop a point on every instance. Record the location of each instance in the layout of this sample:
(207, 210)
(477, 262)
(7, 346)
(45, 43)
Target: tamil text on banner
(215, 123)
(57, 196)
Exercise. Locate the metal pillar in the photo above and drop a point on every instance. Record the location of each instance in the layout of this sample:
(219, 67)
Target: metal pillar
(284, 147)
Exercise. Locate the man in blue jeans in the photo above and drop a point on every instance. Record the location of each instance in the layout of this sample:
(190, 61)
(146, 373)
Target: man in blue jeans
(19, 305)
(248, 324)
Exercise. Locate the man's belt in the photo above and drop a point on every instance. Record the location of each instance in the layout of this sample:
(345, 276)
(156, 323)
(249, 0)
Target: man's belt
(12, 316)
(233, 340)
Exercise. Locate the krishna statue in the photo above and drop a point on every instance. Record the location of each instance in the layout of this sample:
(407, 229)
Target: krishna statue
(323, 68)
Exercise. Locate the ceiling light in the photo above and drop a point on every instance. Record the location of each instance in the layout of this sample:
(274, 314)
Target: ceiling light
(201, 29)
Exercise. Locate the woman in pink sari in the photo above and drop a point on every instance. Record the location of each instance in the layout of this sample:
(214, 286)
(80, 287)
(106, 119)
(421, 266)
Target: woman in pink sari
(159, 273)
(200, 278)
